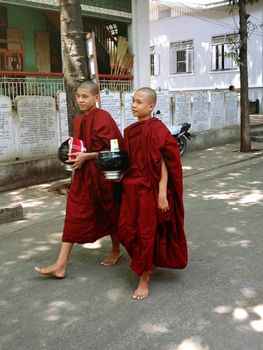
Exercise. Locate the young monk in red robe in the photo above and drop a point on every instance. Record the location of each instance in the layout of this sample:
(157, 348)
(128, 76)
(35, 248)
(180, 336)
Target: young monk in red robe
(92, 210)
(151, 223)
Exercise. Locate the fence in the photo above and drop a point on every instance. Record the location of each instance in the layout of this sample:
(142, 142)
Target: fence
(29, 85)
(121, 83)
(13, 84)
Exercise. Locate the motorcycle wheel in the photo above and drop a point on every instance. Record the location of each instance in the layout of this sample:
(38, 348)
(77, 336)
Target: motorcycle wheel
(182, 145)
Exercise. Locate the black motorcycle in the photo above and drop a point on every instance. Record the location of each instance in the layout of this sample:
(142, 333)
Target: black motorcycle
(181, 134)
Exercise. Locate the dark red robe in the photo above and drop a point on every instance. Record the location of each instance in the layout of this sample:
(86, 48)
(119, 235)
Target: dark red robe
(151, 237)
(92, 210)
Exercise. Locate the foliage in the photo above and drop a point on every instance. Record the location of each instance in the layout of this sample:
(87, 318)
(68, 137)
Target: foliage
(233, 46)
(246, 28)
(236, 2)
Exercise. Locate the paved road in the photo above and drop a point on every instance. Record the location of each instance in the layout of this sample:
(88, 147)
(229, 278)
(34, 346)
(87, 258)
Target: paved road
(216, 303)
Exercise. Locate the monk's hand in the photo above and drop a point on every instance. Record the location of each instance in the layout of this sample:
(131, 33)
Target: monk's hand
(79, 159)
(163, 204)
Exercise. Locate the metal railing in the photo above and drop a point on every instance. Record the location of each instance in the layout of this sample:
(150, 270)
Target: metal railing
(13, 84)
(121, 83)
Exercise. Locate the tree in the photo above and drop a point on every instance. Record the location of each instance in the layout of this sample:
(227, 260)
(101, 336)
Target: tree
(245, 140)
(73, 52)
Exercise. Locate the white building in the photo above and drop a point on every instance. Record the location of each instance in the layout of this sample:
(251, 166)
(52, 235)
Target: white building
(188, 45)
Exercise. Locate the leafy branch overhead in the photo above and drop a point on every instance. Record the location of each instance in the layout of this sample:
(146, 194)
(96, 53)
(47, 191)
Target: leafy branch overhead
(239, 52)
(235, 45)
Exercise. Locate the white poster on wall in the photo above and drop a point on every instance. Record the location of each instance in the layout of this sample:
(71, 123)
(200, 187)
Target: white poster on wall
(200, 115)
(37, 134)
(182, 108)
(111, 102)
(231, 108)
(7, 142)
(62, 117)
(162, 109)
(128, 117)
(217, 110)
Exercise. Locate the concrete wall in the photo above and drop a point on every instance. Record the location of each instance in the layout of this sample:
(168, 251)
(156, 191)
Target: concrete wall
(29, 138)
(30, 172)
(212, 138)
(31, 133)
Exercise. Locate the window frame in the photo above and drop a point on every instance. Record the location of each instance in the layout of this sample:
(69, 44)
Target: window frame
(219, 61)
(154, 62)
(185, 47)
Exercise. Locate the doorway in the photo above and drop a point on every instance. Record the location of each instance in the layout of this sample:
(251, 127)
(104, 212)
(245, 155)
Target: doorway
(42, 46)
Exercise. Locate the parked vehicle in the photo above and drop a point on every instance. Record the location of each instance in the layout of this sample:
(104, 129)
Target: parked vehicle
(181, 134)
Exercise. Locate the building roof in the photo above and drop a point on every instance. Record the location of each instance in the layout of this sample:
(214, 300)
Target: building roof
(116, 9)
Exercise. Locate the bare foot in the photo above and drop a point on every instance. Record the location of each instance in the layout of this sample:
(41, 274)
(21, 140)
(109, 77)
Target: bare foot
(112, 258)
(142, 291)
(52, 271)
(64, 189)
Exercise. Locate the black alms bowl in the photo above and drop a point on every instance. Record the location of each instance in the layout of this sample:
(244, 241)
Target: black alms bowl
(113, 161)
(63, 151)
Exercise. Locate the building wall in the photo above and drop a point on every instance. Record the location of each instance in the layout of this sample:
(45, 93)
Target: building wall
(201, 27)
(29, 20)
(32, 19)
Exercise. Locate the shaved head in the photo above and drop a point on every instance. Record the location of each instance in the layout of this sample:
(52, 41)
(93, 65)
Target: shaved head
(143, 102)
(151, 94)
(89, 85)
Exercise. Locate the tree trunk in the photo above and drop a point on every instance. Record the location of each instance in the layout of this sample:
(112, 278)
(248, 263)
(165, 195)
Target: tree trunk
(245, 140)
(73, 53)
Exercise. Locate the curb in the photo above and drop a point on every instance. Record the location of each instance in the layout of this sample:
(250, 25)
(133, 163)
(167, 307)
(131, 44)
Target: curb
(258, 155)
(12, 212)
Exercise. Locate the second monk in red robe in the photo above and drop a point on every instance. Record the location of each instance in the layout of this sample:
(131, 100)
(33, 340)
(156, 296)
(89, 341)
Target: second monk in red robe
(151, 223)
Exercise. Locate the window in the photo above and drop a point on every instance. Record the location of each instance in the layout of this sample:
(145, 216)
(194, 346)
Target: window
(154, 61)
(112, 28)
(224, 48)
(181, 57)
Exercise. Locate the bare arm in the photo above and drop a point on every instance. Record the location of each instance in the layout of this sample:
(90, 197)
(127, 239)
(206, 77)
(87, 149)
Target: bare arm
(162, 195)
(81, 158)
